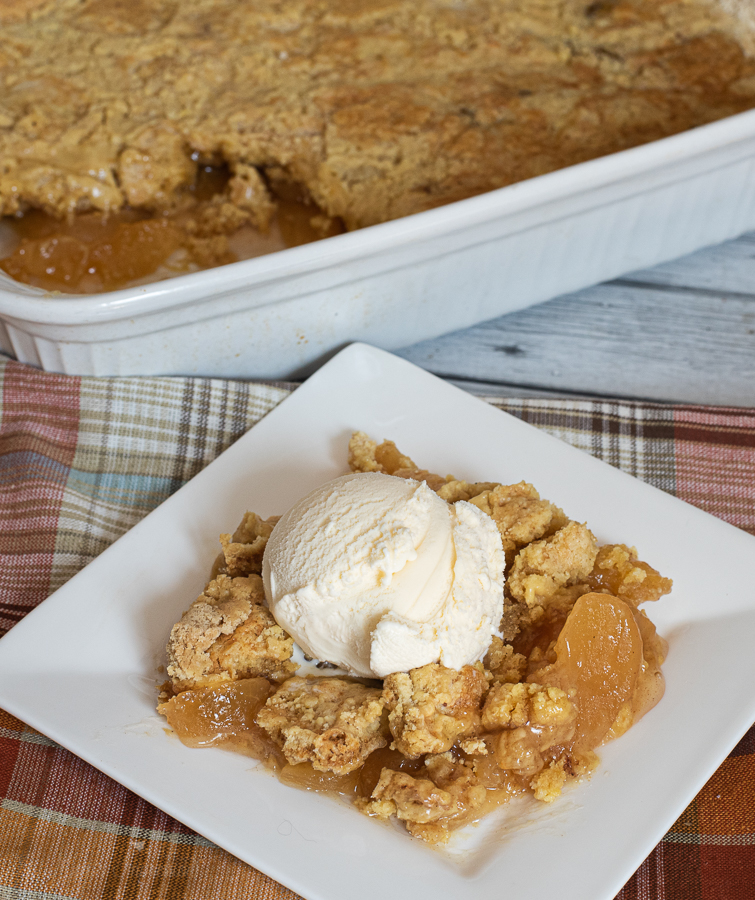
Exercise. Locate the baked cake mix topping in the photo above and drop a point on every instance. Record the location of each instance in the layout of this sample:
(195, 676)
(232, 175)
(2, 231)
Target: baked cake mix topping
(205, 131)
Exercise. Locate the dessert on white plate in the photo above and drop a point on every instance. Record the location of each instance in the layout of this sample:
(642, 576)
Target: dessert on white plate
(489, 644)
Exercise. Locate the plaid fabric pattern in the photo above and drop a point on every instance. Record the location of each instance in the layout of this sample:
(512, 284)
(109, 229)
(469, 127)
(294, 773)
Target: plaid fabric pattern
(82, 460)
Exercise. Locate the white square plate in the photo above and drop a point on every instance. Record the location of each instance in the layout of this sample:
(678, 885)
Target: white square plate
(81, 666)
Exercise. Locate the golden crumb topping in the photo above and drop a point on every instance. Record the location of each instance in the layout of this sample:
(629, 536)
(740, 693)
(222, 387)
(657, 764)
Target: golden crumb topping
(366, 455)
(227, 634)
(377, 108)
(242, 552)
(331, 723)
(520, 514)
(541, 568)
(427, 805)
(513, 705)
(432, 706)
(619, 571)
(530, 719)
(548, 784)
(503, 663)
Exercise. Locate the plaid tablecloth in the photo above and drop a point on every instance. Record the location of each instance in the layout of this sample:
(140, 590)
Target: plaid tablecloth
(82, 460)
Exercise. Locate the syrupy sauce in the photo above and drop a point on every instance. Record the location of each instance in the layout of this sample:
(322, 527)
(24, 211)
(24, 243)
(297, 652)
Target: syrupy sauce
(224, 716)
(605, 654)
(93, 252)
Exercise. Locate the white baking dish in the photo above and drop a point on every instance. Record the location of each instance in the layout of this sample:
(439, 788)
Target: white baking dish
(277, 316)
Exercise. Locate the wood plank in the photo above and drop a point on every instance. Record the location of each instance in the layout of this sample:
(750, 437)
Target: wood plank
(621, 339)
(490, 389)
(728, 267)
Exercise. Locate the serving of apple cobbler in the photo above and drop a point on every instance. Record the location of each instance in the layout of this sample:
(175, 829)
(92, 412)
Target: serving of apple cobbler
(570, 662)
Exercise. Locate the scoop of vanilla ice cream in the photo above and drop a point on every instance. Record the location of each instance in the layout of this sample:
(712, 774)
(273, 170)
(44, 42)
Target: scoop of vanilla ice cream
(377, 574)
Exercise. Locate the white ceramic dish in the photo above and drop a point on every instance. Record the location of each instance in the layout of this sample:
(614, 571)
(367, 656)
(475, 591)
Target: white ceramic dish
(81, 667)
(280, 315)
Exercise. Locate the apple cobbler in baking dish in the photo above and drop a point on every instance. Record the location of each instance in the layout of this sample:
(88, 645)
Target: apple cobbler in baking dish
(559, 656)
(147, 138)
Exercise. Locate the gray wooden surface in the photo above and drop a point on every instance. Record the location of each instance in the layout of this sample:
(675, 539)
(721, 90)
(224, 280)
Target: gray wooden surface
(683, 331)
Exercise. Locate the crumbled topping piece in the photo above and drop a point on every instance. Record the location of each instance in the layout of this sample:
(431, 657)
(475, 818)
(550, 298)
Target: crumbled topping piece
(520, 514)
(154, 167)
(514, 705)
(453, 491)
(411, 799)
(258, 647)
(430, 707)
(618, 570)
(533, 718)
(427, 805)
(227, 634)
(516, 616)
(503, 664)
(329, 722)
(517, 750)
(243, 552)
(366, 455)
(548, 784)
(541, 568)
(209, 250)
(474, 747)
(247, 190)
(216, 217)
(224, 605)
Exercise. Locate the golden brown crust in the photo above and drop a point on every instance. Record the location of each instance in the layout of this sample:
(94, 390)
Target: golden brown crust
(514, 705)
(379, 108)
(543, 567)
(520, 514)
(530, 719)
(258, 647)
(243, 551)
(18, 10)
(362, 453)
(619, 571)
(503, 664)
(548, 784)
(408, 798)
(331, 723)
(453, 491)
(154, 167)
(430, 707)
(427, 805)
(226, 634)
(366, 455)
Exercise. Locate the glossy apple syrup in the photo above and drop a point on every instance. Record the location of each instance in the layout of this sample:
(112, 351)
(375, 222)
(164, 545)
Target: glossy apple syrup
(93, 252)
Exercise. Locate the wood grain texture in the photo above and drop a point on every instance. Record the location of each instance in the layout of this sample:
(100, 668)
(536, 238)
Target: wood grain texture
(683, 331)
